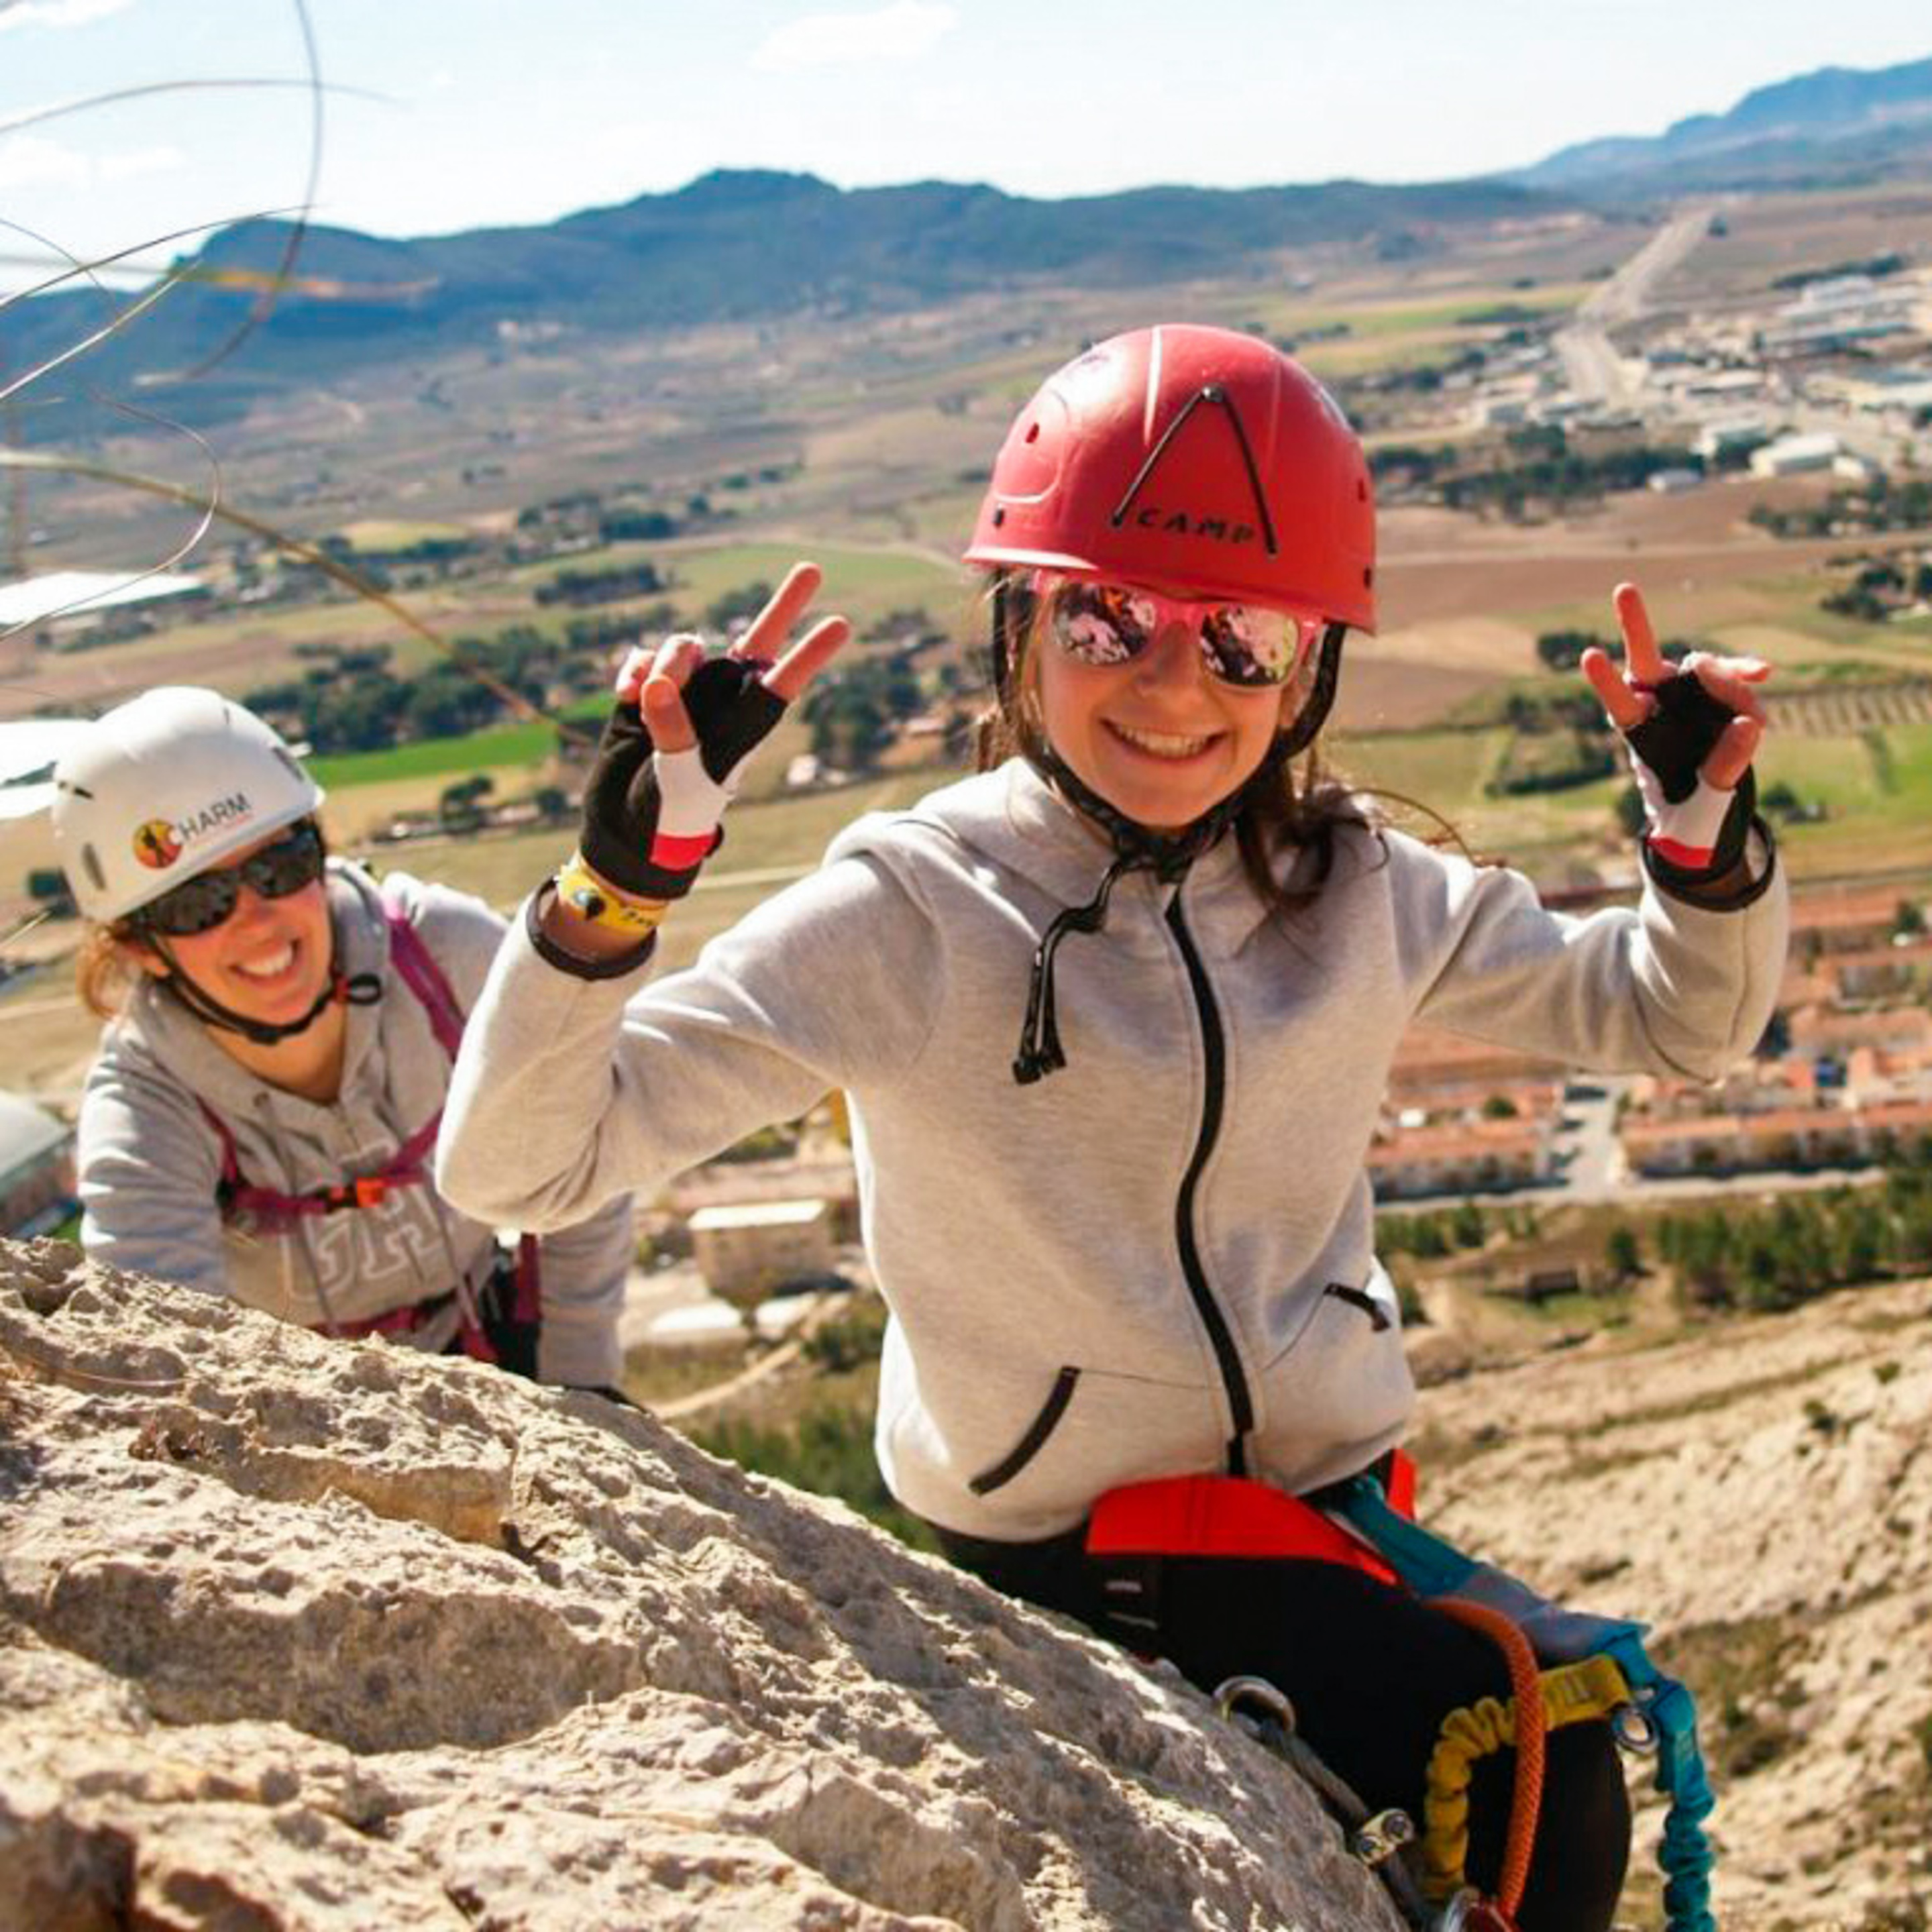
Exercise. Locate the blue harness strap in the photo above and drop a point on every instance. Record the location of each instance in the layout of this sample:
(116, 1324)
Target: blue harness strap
(1431, 1567)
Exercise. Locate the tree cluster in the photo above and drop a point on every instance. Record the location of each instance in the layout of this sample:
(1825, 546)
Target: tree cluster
(851, 711)
(1549, 471)
(1880, 586)
(1768, 1258)
(349, 700)
(580, 587)
(1880, 504)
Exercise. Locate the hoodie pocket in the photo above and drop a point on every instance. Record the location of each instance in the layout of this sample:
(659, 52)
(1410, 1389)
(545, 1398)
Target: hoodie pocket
(1033, 1441)
(1343, 1379)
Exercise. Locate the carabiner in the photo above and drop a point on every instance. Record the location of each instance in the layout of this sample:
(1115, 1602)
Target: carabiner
(1634, 1730)
(1273, 1704)
(1469, 1911)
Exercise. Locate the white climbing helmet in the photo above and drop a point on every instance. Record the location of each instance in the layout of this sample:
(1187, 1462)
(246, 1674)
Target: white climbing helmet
(163, 788)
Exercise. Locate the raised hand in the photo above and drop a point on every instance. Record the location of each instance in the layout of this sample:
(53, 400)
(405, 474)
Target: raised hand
(1692, 729)
(681, 731)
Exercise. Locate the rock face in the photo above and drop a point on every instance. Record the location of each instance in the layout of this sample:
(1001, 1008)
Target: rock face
(296, 1633)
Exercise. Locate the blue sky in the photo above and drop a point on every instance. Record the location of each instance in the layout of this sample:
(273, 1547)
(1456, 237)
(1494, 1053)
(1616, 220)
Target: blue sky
(513, 111)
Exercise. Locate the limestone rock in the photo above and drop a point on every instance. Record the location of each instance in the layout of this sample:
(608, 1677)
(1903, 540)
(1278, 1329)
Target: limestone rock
(298, 1633)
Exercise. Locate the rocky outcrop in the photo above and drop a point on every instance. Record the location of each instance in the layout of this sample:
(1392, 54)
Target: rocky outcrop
(296, 1633)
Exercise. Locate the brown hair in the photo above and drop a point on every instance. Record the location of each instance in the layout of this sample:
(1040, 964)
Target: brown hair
(1300, 806)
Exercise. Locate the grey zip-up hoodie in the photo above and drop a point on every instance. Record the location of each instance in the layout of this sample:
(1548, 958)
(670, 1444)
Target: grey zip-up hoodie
(150, 1160)
(1107, 1275)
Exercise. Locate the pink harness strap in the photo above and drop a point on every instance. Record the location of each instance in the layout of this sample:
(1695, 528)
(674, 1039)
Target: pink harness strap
(275, 1213)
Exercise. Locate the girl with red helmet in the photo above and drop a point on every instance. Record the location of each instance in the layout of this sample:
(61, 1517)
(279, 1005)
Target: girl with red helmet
(1139, 1244)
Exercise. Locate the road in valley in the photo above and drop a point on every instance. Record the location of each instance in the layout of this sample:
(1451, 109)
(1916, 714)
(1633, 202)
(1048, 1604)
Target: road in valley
(1591, 366)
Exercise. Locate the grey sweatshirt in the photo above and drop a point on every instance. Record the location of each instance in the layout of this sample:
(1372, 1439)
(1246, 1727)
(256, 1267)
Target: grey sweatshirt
(1105, 1277)
(150, 1161)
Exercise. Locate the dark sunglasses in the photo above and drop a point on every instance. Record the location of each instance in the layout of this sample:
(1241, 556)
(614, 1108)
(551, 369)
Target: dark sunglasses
(1247, 645)
(200, 903)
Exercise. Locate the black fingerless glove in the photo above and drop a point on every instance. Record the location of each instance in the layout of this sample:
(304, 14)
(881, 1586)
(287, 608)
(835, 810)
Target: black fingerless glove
(1693, 832)
(651, 817)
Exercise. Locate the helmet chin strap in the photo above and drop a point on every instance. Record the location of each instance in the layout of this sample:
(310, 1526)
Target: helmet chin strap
(1137, 848)
(361, 989)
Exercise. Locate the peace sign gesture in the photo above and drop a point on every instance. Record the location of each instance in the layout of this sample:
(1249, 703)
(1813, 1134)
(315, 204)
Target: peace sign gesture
(1693, 730)
(654, 677)
(1629, 695)
(679, 734)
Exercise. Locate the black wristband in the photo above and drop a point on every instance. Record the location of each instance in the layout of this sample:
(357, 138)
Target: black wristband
(1696, 888)
(615, 967)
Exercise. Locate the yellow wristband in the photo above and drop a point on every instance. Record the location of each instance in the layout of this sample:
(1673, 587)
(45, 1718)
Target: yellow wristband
(580, 889)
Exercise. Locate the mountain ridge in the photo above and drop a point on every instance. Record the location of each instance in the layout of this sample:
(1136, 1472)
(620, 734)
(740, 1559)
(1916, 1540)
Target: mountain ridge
(728, 246)
(1831, 119)
(755, 245)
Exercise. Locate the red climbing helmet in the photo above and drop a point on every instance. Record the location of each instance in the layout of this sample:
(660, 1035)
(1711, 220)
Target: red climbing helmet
(1196, 459)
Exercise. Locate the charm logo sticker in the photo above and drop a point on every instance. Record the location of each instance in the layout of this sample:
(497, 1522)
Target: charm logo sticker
(155, 844)
(161, 842)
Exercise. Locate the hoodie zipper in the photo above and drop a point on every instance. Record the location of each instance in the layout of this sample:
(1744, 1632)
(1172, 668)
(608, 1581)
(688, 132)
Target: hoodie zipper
(1234, 1377)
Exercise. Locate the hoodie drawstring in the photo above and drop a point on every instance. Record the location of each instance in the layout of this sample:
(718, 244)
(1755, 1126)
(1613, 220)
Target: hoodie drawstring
(1040, 1051)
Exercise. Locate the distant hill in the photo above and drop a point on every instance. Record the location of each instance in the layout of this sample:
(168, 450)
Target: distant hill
(729, 246)
(1839, 125)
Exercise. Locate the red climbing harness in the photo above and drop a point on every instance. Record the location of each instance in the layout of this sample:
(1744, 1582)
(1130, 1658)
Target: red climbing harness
(1231, 1515)
(1133, 1530)
(267, 1211)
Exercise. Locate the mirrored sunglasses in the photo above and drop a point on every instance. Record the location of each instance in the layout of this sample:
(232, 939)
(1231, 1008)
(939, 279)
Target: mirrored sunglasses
(1246, 645)
(200, 903)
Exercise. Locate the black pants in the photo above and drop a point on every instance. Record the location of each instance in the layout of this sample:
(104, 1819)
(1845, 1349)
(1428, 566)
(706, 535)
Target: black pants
(1371, 1672)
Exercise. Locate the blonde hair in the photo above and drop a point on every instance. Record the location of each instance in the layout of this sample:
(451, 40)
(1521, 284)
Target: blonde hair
(105, 970)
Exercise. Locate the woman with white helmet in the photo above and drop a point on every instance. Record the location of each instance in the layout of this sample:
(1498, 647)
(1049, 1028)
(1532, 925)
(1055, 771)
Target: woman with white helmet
(1131, 1262)
(280, 1032)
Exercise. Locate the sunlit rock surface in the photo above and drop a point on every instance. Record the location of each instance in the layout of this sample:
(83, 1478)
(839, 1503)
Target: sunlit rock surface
(297, 1633)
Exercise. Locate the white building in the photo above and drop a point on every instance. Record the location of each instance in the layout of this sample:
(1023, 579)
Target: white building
(75, 599)
(1790, 455)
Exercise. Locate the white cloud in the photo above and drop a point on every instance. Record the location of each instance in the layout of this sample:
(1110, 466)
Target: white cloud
(138, 161)
(57, 12)
(900, 32)
(26, 161)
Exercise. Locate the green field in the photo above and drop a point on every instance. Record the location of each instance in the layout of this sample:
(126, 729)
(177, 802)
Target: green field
(863, 582)
(503, 747)
(1876, 789)
(1445, 770)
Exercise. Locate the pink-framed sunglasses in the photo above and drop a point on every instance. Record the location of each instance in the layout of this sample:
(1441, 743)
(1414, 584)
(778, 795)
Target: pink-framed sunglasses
(1246, 645)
